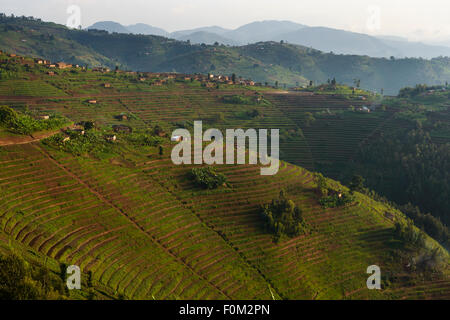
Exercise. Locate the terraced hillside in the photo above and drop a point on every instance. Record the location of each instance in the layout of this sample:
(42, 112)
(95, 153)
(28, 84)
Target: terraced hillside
(140, 228)
(146, 231)
(335, 134)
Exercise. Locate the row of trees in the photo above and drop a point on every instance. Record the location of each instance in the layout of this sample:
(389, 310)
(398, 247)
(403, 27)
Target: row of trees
(418, 89)
(431, 225)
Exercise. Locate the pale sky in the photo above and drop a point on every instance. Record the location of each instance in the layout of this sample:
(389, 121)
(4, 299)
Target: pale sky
(416, 19)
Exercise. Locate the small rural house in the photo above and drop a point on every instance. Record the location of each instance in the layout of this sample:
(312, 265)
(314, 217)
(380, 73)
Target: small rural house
(122, 128)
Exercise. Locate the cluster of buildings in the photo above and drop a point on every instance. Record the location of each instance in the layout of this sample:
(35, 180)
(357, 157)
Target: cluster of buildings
(57, 65)
(101, 69)
(158, 79)
(209, 81)
(430, 92)
(217, 79)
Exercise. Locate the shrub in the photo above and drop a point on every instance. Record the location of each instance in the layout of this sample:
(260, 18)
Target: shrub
(357, 184)
(336, 200)
(236, 99)
(322, 185)
(308, 119)
(26, 124)
(7, 115)
(144, 139)
(208, 178)
(282, 216)
(408, 233)
(254, 113)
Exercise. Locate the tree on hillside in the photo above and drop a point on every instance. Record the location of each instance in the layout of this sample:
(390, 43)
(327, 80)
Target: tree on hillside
(157, 130)
(282, 216)
(357, 184)
(322, 185)
(7, 115)
(208, 178)
(233, 78)
(309, 119)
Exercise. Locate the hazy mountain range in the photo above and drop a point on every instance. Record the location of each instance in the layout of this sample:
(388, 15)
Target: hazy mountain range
(321, 38)
(267, 61)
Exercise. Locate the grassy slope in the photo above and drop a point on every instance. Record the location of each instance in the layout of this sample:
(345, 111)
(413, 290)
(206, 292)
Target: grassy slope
(47, 40)
(145, 231)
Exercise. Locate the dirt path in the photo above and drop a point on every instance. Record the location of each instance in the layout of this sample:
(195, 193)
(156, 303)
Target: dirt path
(25, 139)
(14, 140)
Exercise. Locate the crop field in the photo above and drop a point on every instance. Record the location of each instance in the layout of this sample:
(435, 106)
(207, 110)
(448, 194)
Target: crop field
(141, 227)
(335, 135)
(145, 231)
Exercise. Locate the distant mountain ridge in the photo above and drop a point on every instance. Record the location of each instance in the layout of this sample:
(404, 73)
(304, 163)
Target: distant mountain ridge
(142, 28)
(263, 31)
(207, 38)
(213, 29)
(139, 28)
(320, 38)
(273, 62)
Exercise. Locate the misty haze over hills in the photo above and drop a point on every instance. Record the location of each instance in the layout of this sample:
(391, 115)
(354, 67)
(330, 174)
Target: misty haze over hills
(321, 38)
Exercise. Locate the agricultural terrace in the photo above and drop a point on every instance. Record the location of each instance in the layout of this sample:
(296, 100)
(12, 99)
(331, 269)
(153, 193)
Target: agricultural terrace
(141, 227)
